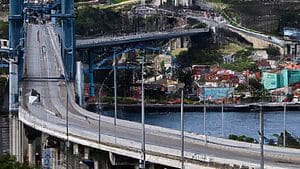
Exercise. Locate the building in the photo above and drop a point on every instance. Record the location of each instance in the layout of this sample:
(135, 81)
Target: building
(216, 93)
(292, 37)
(286, 77)
(271, 80)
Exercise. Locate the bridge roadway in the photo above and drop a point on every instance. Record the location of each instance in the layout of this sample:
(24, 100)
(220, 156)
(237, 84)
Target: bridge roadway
(42, 59)
(106, 41)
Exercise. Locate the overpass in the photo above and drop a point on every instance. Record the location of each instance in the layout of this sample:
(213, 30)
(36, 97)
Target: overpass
(58, 108)
(139, 37)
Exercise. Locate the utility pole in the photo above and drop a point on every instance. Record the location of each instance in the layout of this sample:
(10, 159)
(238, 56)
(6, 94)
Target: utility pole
(67, 123)
(261, 114)
(222, 111)
(284, 125)
(99, 113)
(143, 159)
(115, 88)
(204, 117)
(182, 130)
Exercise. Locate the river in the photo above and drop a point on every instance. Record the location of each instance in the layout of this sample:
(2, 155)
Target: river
(238, 123)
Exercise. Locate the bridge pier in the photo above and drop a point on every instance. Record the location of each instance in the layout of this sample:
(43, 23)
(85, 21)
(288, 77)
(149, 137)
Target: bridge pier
(79, 83)
(16, 141)
(181, 42)
(86, 153)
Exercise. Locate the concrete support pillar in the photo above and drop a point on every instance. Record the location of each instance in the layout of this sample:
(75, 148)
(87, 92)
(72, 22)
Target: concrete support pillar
(30, 153)
(16, 137)
(86, 153)
(53, 19)
(176, 3)
(96, 164)
(55, 158)
(79, 83)
(151, 166)
(75, 149)
(112, 158)
(178, 43)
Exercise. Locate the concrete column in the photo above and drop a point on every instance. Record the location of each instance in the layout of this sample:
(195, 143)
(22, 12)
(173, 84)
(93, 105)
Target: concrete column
(30, 154)
(86, 153)
(178, 42)
(75, 149)
(176, 2)
(53, 19)
(96, 164)
(151, 166)
(55, 158)
(79, 83)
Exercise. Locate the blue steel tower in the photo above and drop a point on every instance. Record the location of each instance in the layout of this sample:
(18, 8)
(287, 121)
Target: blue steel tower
(16, 33)
(68, 28)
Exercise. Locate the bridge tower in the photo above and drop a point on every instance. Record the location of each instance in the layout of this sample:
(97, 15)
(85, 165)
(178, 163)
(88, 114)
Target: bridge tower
(68, 36)
(16, 35)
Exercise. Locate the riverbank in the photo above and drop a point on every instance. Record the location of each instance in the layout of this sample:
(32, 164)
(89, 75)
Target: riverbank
(196, 108)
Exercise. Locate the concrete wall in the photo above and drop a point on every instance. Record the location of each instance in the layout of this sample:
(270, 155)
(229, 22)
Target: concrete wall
(257, 42)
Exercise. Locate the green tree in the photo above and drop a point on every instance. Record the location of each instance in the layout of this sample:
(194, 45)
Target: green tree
(10, 162)
(273, 52)
(3, 30)
(185, 75)
(91, 21)
(241, 65)
(289, 18)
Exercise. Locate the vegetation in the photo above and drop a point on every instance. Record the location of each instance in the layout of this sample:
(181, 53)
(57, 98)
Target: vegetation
(3, 30)
(289, 18)
(3, 82)
(241, 65)
(231, 48)
(199, 56)
(273, 52)
(9, 162)
(91, 21)
(118, 1)
(291, 141)
(242, 138)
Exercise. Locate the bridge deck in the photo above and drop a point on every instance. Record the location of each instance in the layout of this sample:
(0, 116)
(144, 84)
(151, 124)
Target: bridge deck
(106, 41)
(162, 145)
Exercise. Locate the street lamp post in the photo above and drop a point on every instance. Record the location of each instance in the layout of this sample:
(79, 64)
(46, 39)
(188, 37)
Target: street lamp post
(143, 117)
(99, 113)
(222, 111)
(204, 117)
(284, 125)
(182, 130)
(261, 114)
(115, 88)
(67, 122)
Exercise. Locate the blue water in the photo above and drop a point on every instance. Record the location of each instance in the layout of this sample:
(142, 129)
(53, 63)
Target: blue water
(238, 123)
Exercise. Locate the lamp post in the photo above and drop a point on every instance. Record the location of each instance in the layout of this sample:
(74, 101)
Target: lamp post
(284, 125)
(222, 123)
(100, 104)
(204, 116)
(143, 163)
(67, 120)
(99, 113)
(261, 115)
(182, 130)
(115, 88)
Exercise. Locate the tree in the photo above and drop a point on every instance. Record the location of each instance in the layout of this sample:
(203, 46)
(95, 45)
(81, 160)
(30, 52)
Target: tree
(273, 52)
(185, 75)
(3, 30)
(10, 162)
